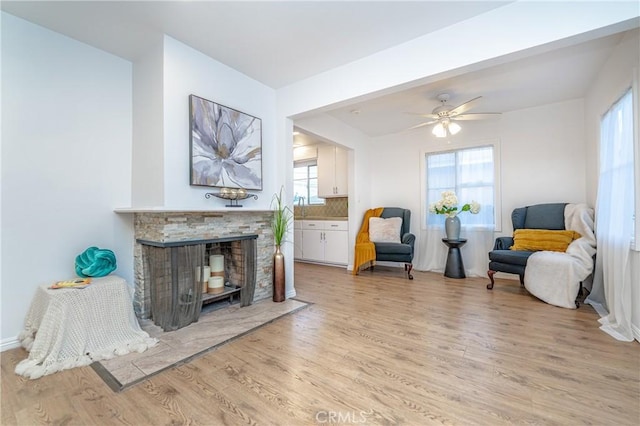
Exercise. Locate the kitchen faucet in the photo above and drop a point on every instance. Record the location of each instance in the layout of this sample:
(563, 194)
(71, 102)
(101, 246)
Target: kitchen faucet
(301, 199)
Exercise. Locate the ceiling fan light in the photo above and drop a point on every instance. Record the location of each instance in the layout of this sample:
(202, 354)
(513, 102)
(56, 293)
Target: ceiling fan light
(454, 128)
(439, 131)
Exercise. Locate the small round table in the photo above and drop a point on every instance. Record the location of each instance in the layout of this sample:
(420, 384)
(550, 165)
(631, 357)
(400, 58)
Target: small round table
(455, 267)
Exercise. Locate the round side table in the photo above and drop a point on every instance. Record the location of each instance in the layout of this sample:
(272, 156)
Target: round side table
(455, 267)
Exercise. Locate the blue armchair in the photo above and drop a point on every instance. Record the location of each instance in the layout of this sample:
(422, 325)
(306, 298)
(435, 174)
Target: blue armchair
(398, 252)
(539, 216)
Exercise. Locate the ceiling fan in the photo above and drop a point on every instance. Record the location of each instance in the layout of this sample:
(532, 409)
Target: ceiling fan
(446, 116)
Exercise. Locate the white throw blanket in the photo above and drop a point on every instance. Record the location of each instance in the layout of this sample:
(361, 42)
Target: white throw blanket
(555, 277)
(68, 327)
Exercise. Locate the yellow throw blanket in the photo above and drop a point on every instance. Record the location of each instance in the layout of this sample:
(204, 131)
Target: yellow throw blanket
(365, 250)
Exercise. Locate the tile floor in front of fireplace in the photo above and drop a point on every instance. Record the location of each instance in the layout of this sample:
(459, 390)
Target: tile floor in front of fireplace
(214, 327)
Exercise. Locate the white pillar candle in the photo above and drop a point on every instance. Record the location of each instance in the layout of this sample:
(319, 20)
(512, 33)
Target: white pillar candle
(216, 285)
(203, 279)
(207, 274)
(216, 262)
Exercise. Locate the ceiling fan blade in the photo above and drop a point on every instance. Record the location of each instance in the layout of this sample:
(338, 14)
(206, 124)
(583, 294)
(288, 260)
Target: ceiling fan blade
(422, 125)
(461, 109)
(478, 116)
(420, 114)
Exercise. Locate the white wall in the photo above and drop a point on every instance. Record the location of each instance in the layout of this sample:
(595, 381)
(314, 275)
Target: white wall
(543, 157)
(613, 80)
(66, 161)
(186, 72)
(147, 174)
(543, 160)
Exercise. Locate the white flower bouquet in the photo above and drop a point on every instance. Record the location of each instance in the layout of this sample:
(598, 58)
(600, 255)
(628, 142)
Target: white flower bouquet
(448, 205)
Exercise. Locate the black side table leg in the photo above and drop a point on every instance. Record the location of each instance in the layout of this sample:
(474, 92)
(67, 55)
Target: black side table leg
(454, 267)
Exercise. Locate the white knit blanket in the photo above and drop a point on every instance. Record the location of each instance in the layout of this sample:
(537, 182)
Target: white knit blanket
(68, 328)
(555, 277)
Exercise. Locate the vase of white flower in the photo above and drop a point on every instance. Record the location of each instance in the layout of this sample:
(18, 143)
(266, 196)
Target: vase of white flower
(452, 227)
(448, 205)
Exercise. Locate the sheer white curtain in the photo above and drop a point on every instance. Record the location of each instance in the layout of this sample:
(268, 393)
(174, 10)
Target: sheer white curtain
(432, 253)
(611, 292)
(470, 173)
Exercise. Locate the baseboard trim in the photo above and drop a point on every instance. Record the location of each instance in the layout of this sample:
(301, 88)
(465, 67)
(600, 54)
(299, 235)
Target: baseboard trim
(9, 343)
(335, 265)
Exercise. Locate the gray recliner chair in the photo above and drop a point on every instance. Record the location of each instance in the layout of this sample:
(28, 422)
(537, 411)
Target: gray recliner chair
(539, 216)
(398, 252)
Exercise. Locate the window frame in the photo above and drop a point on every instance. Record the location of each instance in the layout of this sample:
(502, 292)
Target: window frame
(308, 163)
(497, 187)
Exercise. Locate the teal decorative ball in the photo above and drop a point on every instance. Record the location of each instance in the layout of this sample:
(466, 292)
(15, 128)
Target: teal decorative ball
(95, 262)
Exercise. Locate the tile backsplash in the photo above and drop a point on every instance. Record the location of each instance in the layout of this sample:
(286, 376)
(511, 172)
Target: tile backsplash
(333, 207)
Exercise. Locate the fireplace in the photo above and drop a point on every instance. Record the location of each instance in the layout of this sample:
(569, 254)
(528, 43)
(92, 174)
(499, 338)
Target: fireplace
(206, 233)
(176, 272)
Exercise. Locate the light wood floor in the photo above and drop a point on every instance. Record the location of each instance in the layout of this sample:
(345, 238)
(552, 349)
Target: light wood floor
(372, 349)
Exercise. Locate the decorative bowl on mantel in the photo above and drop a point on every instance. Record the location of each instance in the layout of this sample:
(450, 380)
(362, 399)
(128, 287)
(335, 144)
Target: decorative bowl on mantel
(233, 194)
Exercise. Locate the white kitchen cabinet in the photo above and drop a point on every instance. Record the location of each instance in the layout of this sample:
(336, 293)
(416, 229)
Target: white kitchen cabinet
(312, 245)
(325, 241)
(336, 247)
(332, 171)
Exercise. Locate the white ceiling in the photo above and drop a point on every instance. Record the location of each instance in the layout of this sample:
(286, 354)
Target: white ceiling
(279, 43)
(274, 42)
(556, 76)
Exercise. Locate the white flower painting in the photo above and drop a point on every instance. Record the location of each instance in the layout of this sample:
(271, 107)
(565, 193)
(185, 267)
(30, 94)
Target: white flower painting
(226, 146)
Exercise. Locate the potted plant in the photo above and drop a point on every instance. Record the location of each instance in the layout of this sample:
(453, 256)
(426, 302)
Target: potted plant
(282, 215)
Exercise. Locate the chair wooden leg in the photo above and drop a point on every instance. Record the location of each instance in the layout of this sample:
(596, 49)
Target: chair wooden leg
(490, 274)
(580, 295)
(408, 267)
(521, 280)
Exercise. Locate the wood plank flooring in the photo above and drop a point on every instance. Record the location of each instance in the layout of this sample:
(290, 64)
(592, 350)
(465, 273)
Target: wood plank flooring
(372, 349)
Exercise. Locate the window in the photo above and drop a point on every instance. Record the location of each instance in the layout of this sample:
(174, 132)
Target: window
(305, 182)
(470, 173)
(616, 181)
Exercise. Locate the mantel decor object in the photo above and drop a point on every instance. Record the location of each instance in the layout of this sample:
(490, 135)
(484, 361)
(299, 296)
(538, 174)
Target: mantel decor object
(231, 194)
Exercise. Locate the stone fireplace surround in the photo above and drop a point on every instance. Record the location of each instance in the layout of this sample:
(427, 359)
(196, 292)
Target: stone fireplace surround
(168, 226)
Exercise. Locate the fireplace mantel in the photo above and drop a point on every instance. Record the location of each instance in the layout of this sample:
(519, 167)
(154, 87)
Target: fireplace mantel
(125, 210)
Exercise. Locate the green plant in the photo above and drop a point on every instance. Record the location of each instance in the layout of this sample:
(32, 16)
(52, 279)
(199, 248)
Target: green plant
(282, 215)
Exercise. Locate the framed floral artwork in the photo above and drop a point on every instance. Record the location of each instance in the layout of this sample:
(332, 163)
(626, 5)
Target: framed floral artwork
(226, 146)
